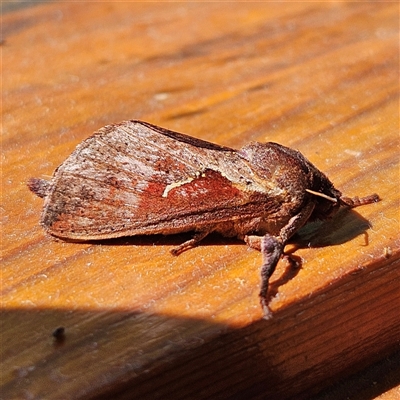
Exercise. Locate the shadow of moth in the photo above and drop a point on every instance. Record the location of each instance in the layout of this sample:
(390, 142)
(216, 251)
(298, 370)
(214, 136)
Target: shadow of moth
(135, 178)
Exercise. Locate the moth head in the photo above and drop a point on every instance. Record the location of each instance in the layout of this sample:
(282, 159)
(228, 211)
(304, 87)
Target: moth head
(326, 197)
(326, 205)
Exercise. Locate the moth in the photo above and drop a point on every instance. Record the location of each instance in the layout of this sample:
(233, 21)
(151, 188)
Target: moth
(135, 178)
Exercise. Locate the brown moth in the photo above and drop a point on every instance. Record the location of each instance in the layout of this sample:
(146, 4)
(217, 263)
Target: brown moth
(135, 178)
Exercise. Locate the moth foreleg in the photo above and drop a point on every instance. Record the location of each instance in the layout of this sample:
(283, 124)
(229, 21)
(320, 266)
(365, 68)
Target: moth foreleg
(198, 237)
(272, 249)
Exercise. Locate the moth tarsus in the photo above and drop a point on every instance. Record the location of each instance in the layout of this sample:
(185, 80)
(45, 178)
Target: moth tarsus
(135, 178)
(197, 238)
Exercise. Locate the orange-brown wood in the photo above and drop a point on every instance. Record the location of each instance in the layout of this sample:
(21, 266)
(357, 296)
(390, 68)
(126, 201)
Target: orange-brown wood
(319, 77)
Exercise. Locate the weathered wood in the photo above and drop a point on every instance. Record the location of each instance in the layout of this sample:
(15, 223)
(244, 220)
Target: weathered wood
(319, 77)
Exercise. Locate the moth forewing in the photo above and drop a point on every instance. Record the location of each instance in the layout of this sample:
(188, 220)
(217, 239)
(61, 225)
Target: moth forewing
(143, 184)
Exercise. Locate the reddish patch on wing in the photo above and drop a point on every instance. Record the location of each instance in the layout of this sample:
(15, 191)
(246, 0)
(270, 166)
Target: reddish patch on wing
(153, 190)
(208, 192)
(209, 188)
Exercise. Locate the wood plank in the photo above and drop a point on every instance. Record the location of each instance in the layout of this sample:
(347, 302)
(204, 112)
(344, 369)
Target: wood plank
(319, 77)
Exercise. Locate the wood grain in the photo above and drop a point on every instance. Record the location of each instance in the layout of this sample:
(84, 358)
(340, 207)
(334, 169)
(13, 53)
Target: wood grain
(319, 77)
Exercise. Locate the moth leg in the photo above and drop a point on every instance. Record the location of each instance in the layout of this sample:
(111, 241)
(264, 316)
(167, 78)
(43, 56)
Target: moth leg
(198, 237)
(272, 250)
(253, 241)
(296, 222)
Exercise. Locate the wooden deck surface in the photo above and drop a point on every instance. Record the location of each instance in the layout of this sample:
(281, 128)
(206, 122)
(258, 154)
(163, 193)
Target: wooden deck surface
(139, 323)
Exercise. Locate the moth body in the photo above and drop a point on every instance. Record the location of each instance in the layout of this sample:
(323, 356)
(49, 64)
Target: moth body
(135, 178)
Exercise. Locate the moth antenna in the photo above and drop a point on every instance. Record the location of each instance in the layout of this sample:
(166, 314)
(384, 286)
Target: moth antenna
(332, 199)
(356, 201)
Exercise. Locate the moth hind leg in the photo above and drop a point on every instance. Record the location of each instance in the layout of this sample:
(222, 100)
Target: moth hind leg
(198, 237)
(253, 241)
